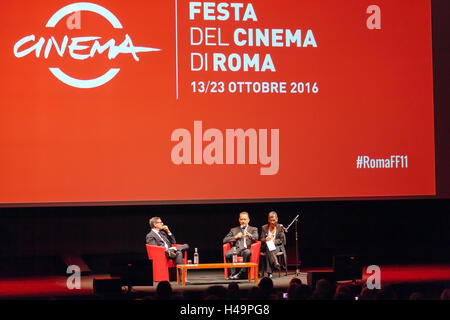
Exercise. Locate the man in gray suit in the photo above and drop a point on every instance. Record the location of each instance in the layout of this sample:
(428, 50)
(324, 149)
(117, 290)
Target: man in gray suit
(161, 236)
(240, 238)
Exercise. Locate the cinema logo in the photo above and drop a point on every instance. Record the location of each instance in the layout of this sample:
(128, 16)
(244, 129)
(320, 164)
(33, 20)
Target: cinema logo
(220, 143)
(78, 47)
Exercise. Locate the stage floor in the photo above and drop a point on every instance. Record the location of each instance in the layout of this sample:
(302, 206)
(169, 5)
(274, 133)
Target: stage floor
(55, 287)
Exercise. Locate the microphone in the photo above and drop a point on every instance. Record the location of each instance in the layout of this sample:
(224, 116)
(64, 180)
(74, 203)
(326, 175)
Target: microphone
(285, 229)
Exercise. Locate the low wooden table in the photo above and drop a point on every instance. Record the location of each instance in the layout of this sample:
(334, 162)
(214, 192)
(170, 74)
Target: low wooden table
(184, 267)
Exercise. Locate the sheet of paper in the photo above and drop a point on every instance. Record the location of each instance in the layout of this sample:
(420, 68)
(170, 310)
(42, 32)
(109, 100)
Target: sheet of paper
(270, 245)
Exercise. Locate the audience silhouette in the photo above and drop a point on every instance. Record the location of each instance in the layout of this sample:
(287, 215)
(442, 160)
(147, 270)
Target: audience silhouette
(296, 290)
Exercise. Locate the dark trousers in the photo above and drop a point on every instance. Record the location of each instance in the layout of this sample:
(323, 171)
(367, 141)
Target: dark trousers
(180, 253)
(244, 253)
(271, 257)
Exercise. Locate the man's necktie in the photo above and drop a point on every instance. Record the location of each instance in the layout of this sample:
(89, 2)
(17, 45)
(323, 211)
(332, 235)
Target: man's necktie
(164, 239)
(245, 238)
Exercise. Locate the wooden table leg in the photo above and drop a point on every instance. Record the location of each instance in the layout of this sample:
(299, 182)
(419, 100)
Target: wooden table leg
(255, 272)
(183, 278)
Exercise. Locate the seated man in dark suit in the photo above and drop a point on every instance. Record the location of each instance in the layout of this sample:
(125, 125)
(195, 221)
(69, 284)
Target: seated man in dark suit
(160, 235)
(275, 232)
(243, 237)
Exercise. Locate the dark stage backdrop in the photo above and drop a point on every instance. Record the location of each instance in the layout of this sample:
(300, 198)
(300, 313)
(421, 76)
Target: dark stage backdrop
(379, 232)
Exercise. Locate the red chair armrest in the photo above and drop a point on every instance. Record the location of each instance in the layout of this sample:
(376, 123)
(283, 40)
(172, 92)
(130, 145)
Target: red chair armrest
(155, 252)
(225, 248)
(255, 249)
(160, 266)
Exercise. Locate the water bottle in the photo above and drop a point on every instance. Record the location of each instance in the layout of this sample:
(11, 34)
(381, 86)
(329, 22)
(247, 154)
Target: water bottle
(196, 256)
(234, 255)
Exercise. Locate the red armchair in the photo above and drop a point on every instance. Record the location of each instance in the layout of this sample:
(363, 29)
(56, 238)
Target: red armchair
(255, 248)
(161, 264)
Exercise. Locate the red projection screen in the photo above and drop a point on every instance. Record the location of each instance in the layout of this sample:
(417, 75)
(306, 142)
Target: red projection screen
(160, 101)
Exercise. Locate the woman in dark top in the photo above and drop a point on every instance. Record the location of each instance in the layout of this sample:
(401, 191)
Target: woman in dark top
(275, 232)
